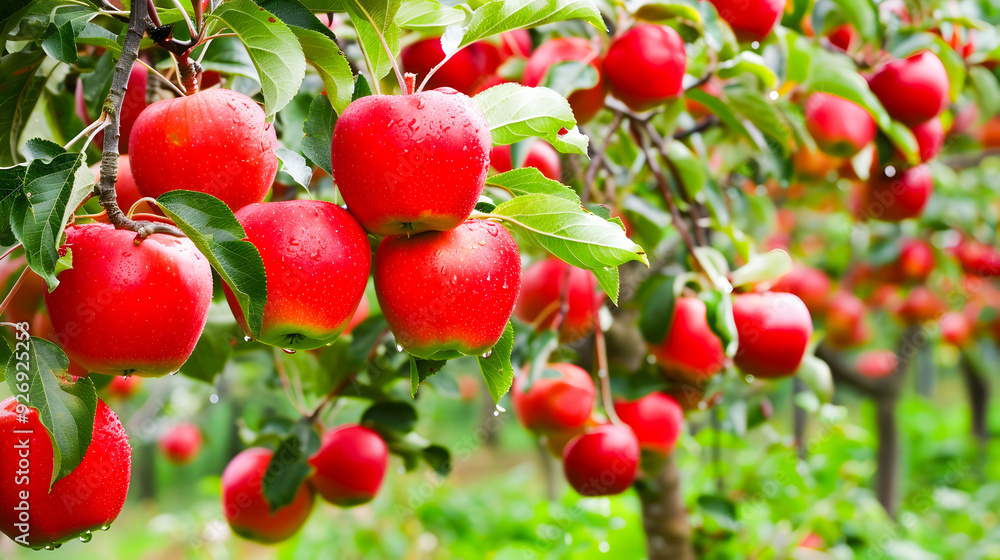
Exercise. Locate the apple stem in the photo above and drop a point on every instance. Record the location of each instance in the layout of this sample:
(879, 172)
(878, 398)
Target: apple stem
(601, 349)
(411, 82)
(190, 73)
(139, 20)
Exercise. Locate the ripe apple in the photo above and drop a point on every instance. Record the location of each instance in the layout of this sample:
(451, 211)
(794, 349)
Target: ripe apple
(468, 69)
(690, 351)
(133, 103)
(554, 404)
(541, 294)
(930, 138)
(602, 461)
(541, 155)
(956, 328)
(989, 133)
(645, 66)
(813, 164)
(896, 198)
(85, 500)
(844, 37)
(350, 465)
(920, 306)
(916, 260)
(656, 420)
(214, 142)
(411, 163)
(751, 20)
(845, 320)
(181, 443)
(130, 310)
(248, 512)
(585, 103)
(448, 293)
(978, 259)
(774, 330)
(317, 259)
(877, 363)
(360, 314)
(914, 89)
(123, 387)
(840, 127)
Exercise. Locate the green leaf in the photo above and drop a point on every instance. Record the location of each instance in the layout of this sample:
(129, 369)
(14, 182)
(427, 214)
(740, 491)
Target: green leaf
(515, 112)
(66, 409)
(721, 320)
(566, 77)
(720, 109)
(318, 129)
(11, 183)
(816, 375)
(392, 419)
(295, 165)
(428, 16)
(19, 91)
(987, 90)
(768, 266)
(273, 48)
(571, 233)
(420, 370)
(296, 16)
(748, 63)
(289, 466)
(529, 180)
(60, 43)
(52, 191)
(862, 15)
(609, 280)
(211, 226)
(690, 169)
(498, 16)
(39, 148)
(658, 310)
(663, 12)
(213, 350)
(361, 88)
(497, 369)
(378, 34)
(439, 458)
(325, 56)
(97, 84)
(763, 114)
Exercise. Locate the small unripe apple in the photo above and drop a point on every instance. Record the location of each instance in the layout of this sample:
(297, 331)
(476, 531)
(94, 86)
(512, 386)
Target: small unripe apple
(247, 510)
(561, 400)
(645, 66)
(956, 328)
(901, 196)
(774, 330)
(914, 89)
(123, 387)
(916, 260)
(877, 363)
(130, 310)
(133, 104)
(602, 461)
(350, 465)
(751, 20)
(85, 500)
(181, 443)
(920, 306)
(541, 155)
(448, 293)
(840, 127)
(215, 142)
(585, 103)
(317, 258)
(411, 163)
(541, 295)
(656, 420)
(690, 351)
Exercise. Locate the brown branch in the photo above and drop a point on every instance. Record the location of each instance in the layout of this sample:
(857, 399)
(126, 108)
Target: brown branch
(664, 516)
(978, 388)
(668, 197)
(702, 126)
(590, 177)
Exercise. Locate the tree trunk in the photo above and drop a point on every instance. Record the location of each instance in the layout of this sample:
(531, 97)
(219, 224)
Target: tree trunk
(887, 474)
(665, 519)
(978, 388)
(798, 419)
(925, 372)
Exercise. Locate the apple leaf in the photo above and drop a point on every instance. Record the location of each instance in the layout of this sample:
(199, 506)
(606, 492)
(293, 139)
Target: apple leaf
(211, 226)
(11, 181)
(422, 369)
(761, 268)
(816, 375)
(273, 48)
(318, 128)
(429, 17)
(529, 180)
(515, 112)
(289, 466)
(722, 322)
(566, 77)
(65, 408)
(393, 419)
(498, 16)
(571, 233)
(295, 165)
(296, 15)
(754, 107)
(51, 191)
(213, 350)
(663, 12)
(862, 15)
(658, 309)
(719, 108)
(19, 91)
(378, 34)
(748, 63)
(326, 57)
(496, 367)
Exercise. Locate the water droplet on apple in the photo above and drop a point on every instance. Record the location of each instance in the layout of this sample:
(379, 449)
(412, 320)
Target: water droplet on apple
(444, 270)
(399, 348)
(454, 279)
(86, 537)
(288, 350)
(488, 353)
(105, 527)
(49, 547)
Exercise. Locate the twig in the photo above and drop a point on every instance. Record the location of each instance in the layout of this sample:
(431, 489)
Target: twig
(165, 80)
(13, 290)
(668, 197)
(187, 19)
(601, 348)
(702, 126)
(590, 177)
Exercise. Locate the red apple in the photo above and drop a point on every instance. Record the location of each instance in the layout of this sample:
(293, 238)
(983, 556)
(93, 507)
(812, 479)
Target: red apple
(916, 260)
(877, 363)
(133, 104)
(214, 142)
(541, 295)
(464, 71)
(411, 163)
(813, 164)
(585, 103)
(774, 330)
(350, 465)
(317, 259)
(448, 293)
(844, 37)
(845, 323)
(840, 127)
(248, 512)
(956, 328)
(541, 155)
(360, 314)
(125, 188)
(751, 20)
(978, 259)
(914, 89)
(645, 66)
(896, 198)
(181, 443)
(85, 500)
(920, 306)
(930, 138)
(561, 400)
(125, 309)
(123, 387)
(656, 419)
(602, 461)
(690, 351)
